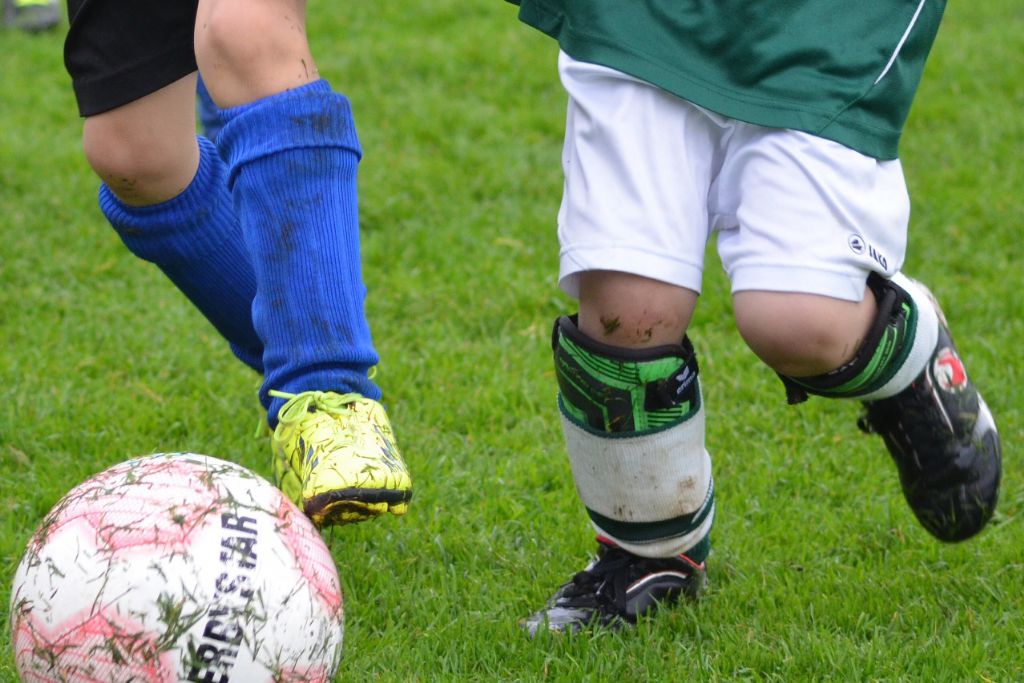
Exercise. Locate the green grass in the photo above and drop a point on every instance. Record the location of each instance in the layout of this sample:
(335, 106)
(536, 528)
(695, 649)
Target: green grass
(819, 570)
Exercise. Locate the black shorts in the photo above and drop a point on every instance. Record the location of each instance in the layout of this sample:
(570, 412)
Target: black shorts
(120, 50)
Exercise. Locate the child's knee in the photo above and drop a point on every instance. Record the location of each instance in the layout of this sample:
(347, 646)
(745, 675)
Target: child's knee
(630, 311)
(146, 151)
(238, 69)
(802, 334)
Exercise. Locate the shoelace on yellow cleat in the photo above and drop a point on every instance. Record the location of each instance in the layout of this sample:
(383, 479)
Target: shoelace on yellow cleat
(329, 401)
(299, 405)
(293, 411)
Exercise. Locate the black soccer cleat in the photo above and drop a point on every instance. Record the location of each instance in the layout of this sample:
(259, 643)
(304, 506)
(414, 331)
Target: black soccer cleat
(616, 588)
(945, 444)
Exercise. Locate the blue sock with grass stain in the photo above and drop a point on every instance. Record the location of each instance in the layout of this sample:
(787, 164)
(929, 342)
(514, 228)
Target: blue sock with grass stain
(196, 240)
(293, 158)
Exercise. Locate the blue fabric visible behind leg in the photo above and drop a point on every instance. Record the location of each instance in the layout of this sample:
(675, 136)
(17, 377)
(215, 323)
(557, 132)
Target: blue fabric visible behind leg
(293, 159)
(196, 240)
(209, 114)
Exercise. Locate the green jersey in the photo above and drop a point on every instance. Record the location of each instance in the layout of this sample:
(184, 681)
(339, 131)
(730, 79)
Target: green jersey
(846, 71)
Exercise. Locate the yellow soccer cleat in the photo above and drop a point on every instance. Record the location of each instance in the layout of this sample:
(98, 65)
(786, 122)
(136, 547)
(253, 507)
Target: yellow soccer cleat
(335, 456)
(32, 15)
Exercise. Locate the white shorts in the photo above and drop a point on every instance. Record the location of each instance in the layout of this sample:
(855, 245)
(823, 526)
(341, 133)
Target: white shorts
(649, 176)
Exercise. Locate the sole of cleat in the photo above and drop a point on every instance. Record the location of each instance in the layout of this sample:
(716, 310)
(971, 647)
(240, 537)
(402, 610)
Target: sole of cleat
(346, 506)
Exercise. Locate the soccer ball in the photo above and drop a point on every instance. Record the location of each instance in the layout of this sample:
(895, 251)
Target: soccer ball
(176, 567)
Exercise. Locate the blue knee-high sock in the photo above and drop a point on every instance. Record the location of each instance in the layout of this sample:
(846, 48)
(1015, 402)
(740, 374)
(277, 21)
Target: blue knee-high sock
(292, 159)
(196, 240)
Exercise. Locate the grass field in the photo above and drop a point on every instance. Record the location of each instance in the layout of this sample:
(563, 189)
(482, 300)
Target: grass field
(819, 570)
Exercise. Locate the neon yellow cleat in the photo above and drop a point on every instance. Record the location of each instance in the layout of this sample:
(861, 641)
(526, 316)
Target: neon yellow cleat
(32, 15)
(335, 456)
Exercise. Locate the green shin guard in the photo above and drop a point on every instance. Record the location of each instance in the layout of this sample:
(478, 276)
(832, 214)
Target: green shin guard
(634, 429)
(610, 390)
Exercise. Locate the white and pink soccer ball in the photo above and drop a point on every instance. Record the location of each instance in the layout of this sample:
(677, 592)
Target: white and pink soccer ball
(176, 567)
